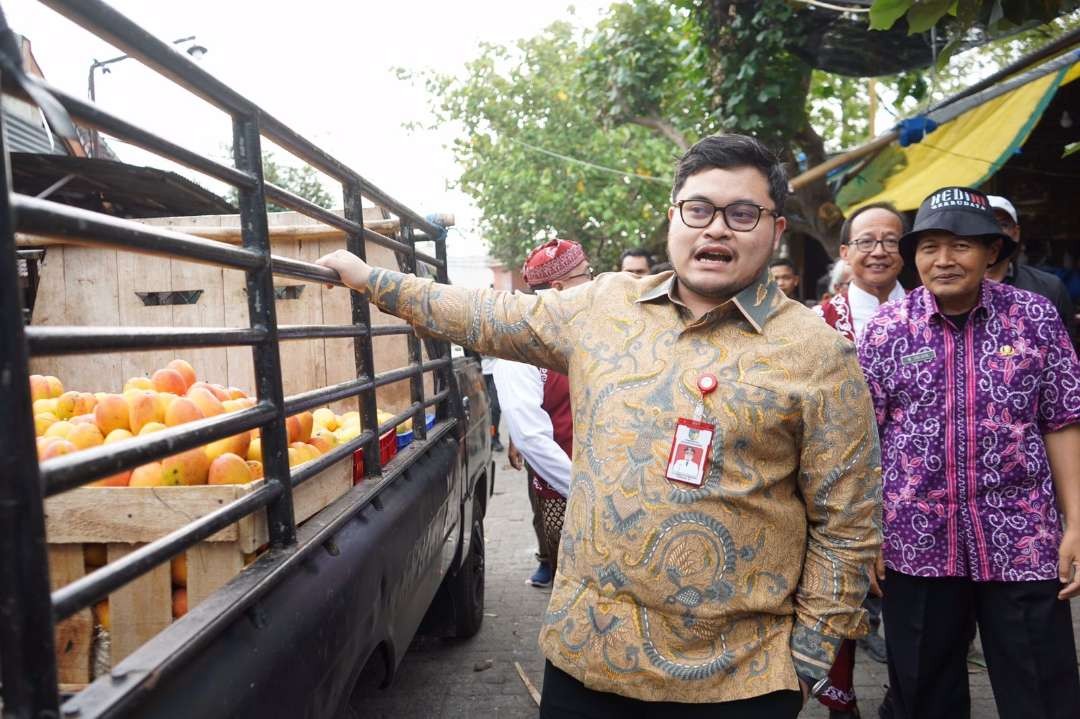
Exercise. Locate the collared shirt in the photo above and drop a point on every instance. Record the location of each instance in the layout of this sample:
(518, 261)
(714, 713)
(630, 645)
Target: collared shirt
(864, 305)
(848, 312)
(521, 400)
(665, 591)
(962, 414)
(1050, 286)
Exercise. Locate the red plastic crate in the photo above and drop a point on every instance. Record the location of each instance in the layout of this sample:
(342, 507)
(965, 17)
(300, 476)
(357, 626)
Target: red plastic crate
(387, 450)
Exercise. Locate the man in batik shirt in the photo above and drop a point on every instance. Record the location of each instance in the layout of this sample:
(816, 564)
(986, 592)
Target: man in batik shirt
(712, 597)
(976, 388)
(870, 245)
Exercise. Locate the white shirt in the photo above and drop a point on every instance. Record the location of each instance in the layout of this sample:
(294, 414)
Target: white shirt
(521, 397)
(487, 365)
(864, 305)
(686, 467)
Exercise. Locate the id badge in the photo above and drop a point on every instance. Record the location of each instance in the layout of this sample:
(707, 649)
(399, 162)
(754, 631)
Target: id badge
(690, 452)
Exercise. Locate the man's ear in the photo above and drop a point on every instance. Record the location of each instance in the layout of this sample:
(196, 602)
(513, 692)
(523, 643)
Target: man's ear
(995, 252)
(781, 225)
(670, 213)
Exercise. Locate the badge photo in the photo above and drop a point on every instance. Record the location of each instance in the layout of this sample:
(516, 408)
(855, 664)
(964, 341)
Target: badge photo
(689, 452)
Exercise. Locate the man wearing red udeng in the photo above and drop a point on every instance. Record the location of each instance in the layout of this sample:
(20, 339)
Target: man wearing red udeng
(536, 407)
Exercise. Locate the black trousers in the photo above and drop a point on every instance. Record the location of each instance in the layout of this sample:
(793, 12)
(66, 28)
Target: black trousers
(1027, 638)
(566, 698)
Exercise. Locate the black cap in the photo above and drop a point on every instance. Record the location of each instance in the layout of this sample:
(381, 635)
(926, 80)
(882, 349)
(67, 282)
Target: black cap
(960, 211)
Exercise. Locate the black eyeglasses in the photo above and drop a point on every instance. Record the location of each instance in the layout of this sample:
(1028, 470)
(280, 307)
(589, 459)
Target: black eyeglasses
(867, 244)
(738, 216)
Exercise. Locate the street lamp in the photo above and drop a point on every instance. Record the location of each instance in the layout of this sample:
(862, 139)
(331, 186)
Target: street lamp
(196, 51)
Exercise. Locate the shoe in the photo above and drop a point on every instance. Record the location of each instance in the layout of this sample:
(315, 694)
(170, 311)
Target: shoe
(542, 576)
(874, 646)
(497, 446)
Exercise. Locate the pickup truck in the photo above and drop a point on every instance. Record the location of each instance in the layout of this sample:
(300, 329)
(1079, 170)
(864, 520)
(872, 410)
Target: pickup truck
(349, 588)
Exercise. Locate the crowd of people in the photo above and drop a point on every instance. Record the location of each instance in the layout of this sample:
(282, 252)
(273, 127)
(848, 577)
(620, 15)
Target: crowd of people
(731, 489)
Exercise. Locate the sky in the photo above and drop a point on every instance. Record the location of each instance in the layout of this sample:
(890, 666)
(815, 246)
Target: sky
(323, 67)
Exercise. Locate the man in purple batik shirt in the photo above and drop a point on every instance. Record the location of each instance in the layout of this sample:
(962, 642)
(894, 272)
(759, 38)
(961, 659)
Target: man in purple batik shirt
(976, 388)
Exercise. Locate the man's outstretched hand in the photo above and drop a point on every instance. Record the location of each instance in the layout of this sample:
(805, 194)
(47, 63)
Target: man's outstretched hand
(353, 271)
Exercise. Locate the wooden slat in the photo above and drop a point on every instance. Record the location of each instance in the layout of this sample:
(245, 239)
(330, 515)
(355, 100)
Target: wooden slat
(139, 609)
(74, 635)
(135, 514)
(209, 566)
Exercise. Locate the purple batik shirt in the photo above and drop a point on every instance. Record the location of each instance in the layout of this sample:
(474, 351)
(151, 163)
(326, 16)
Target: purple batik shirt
(961, 413)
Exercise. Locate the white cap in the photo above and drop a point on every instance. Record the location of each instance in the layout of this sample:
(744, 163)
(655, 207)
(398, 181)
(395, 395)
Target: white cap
(1000, 203)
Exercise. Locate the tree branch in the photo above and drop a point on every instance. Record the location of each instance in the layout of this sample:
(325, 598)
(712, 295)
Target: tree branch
(663, 128)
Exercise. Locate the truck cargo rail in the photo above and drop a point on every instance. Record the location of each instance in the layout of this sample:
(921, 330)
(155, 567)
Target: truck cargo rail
(30, 607)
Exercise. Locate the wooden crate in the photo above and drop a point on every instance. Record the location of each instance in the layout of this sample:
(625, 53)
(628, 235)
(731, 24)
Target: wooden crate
(96, 286)
(125, 518)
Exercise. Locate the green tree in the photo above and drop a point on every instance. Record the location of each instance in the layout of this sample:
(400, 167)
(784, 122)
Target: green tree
(302, 181)
(537, 161)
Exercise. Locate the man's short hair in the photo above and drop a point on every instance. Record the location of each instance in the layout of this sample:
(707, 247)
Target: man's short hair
(728, 152)
(660, 267)
(636, 252)
(845, 229)
(784, 262)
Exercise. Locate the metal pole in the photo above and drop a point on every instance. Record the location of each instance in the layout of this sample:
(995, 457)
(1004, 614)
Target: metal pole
(27, 655)
(363, 353)
(416, 355)
(262, 314)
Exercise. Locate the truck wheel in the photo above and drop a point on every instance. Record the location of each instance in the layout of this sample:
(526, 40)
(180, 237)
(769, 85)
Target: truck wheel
(466, 588)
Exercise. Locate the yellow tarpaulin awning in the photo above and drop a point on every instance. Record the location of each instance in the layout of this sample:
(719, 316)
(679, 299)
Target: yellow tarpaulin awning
(965, 151)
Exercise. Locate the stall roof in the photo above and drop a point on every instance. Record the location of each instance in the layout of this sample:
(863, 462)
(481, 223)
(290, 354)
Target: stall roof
(965, 151)
(115, 188)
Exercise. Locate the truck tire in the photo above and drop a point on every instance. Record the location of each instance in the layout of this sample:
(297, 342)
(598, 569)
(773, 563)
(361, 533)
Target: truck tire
(466, 588)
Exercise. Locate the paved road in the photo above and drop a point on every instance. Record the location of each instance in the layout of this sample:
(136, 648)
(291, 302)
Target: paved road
(476, 678)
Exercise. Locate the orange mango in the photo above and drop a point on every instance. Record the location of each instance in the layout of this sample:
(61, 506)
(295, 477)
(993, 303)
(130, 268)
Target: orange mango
(178, 570)
(118, 434)
(237, 444)
(187, 468)
(143, 383)
(151, 427)
(142, 409)
(39, 388)
(186, 371)
(85, 436)
(147, 475)
(101, 615)
(61, 428)
(169, 380)
(43, 421)
(179, 603)
(111, 413)
(256, 469)
(229, 469)
(45, 405)
(57, 449)
(56, 388)
(205, 400)
(255, 450)
(182, 410)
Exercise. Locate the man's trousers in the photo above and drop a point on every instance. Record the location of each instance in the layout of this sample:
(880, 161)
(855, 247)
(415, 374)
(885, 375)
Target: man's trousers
(1027, 637)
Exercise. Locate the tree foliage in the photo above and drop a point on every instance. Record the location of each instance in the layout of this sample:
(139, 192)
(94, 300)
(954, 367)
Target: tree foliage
(517, 105)
(958, 17)
(568, 132)
(303, 181)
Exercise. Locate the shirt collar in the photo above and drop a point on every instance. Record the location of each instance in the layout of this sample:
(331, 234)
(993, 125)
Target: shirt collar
(984, 303)
(858, 297)
(756, 302)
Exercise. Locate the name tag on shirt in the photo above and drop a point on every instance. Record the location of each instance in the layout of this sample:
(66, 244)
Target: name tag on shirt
(690, 452)
(918, 357)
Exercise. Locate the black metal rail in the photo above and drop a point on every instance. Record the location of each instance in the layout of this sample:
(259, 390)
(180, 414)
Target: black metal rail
(28, 608)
